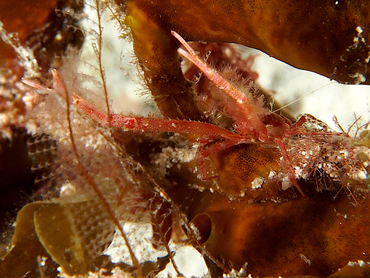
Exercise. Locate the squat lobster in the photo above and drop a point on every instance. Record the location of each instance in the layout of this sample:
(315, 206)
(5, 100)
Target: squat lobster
(247, 116)
(252, 123)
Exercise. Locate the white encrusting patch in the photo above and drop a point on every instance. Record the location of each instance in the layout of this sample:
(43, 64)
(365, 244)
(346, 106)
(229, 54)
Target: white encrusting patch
(303, 257)
(257, 183)
(285, 184)
(170, 156)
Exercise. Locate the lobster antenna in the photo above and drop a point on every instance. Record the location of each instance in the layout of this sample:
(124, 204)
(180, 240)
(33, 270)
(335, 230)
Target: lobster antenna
(300, 98)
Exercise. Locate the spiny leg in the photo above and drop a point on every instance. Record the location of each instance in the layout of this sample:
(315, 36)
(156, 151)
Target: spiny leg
(249, 121)
(142, 124)
(289, 167)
